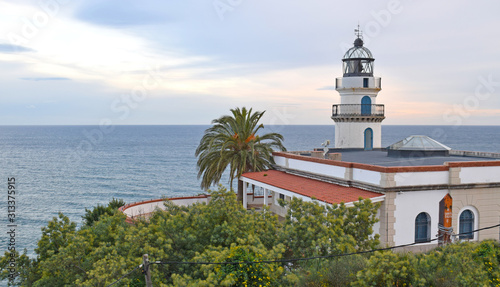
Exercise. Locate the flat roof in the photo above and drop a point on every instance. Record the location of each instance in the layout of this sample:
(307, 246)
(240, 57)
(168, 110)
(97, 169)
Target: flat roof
(380, 158)
(323, 191)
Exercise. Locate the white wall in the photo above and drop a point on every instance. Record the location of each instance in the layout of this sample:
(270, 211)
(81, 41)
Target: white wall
(355, 99)
(318, 168)
(148, 207)
(367, 176)
(408, 206)
(280, 160)
(421, 178)
(357, 82)
(351, 134)
(480, 174)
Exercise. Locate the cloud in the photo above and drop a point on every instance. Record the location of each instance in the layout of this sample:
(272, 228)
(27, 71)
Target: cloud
(46, 79)
(261, 54)
(124, 13)
(8, 48)
(327, 88)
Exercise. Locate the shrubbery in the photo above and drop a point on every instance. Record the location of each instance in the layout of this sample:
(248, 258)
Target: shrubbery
(106, 248)
(460, 264)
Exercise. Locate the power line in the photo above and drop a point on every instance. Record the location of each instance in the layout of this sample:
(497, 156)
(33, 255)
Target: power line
(125, 275)
(297, 259)
(314, 257)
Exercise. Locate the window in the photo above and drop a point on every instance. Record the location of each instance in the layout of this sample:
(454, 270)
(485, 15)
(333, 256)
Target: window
(466, 224)
(365, 82)
(282, 196)
(423, 227)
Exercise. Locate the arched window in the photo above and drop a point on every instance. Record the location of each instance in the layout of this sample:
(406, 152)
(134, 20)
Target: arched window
(466, 224)
(423, 227)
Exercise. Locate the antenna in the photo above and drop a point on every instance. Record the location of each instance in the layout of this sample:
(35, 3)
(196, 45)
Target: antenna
(358, 32)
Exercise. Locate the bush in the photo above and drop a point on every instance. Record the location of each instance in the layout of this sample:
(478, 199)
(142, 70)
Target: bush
(389, 269)
(97, 212)
(334, 272)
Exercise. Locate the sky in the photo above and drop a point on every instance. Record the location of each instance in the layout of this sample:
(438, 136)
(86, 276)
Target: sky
(188, 62)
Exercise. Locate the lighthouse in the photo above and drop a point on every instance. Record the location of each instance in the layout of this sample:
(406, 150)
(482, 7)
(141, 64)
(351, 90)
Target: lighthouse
(358, 117)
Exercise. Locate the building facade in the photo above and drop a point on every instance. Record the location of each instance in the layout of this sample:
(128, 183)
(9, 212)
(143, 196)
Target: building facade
(410, 194)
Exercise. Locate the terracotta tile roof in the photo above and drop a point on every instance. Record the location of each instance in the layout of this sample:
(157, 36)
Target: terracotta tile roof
(323, 191)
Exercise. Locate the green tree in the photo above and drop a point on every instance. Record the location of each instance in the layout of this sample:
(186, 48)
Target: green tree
(488, 253)
(234, 141)
(389, 269)
(219, 231)
(23, 273)
(458, 264)
(311, 229)
(93, 215)
(454, 265)
(331, 272)
(358, 222)
(58, 233)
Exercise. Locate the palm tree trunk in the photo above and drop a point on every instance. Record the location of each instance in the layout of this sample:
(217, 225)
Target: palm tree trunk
(240, 191)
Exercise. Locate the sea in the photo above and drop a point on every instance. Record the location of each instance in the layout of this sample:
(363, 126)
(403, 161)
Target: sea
(70, 169)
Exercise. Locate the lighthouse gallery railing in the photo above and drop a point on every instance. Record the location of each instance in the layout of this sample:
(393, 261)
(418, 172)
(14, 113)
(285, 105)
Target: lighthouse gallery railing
(355, 110)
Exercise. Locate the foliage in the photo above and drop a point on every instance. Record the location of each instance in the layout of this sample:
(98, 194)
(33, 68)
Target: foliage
(335, 272)
(488, 253)
(25, 271)
(389, 269)
(58, 233)
(235, 266)
(458, 264)
(221, 231)
(93, 215)
(453, 265)
(336, 228)
(233, 141)
(238, 240)
(358, 222)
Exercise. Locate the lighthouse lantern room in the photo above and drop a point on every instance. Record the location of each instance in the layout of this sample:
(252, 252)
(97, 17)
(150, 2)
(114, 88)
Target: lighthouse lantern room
(358, 118)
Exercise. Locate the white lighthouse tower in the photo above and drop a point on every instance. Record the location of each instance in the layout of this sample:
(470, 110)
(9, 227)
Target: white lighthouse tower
(358, 118)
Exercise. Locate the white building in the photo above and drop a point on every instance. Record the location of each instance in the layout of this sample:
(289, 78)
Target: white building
(412, 178)
(358, 118)
(410, 189)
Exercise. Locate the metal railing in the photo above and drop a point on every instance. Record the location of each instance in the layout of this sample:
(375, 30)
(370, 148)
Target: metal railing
(355, 110)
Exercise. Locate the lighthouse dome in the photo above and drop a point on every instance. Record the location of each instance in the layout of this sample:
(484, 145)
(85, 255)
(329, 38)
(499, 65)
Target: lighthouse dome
(358, 52)
(358, 60)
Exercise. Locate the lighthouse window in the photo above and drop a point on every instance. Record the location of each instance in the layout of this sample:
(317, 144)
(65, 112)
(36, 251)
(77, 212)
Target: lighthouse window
(365, 82)
(423, 227)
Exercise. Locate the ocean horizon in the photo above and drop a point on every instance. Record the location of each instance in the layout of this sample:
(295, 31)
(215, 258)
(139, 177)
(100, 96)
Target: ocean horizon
(67, 169)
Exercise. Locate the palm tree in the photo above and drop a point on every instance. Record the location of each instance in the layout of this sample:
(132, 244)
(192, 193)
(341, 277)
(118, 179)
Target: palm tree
(233, 141)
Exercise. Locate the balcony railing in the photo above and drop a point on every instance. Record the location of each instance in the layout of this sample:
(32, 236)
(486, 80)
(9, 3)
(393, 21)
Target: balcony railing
(355, 110)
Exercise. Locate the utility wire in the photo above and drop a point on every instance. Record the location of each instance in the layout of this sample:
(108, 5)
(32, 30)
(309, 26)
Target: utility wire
(314, 257)
(296, 259)
(125, 275)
